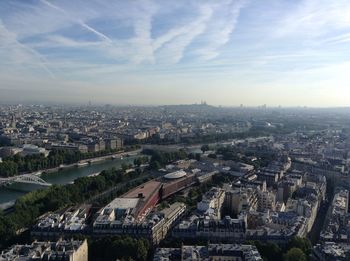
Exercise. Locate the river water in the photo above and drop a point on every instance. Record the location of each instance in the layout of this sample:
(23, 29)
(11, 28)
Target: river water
(65, 176)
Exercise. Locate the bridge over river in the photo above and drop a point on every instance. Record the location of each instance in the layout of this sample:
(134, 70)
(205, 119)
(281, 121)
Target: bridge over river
(11, 188)
(25, 181)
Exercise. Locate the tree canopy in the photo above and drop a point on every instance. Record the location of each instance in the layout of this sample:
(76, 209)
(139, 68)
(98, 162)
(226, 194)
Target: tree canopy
(16, 164)
(30, 206)
(302, 243)
(294, 254)
(118, 248)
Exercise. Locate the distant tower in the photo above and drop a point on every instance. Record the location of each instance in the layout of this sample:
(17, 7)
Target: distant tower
(89, 103)
(13, 122)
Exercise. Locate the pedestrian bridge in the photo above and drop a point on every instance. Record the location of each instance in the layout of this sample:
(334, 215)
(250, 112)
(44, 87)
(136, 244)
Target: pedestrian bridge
(24, 179)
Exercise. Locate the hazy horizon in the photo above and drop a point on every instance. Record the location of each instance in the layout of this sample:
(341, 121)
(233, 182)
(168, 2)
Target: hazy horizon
(229, 52)
(102, 104)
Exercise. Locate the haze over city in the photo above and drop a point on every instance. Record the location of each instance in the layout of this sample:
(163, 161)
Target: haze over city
(289, 53)
(174, 130)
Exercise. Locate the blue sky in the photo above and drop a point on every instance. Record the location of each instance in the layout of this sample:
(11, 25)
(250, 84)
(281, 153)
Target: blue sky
(229, 52)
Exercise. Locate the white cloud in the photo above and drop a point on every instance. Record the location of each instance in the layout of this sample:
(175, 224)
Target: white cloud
(313, 18)
(78, 21)
(142, 42)
(141, 48)
(185, 42)
(175, 41)
(14, 53)
(221, 28)
(339, 39)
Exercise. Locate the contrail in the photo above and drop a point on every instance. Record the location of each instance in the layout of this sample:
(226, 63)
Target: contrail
(42, 59)
(80, 22)
(94, 31)
(13, 39)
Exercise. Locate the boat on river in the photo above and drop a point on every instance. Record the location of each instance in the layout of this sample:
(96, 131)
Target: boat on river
(82, 164)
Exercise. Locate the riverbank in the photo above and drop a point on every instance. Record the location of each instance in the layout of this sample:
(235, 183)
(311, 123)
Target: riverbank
(88, 161)
(7, 205)
(67, 176)
(196, 148)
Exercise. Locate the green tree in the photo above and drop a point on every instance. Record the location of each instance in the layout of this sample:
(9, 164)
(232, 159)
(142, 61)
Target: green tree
(142, 249)
(29, 166)
(137, 162)
(30, 206)
(7, 230)
(124, 166)
(269, 251)
(205, 148)
(294, 254)
(155, 165)
(302, 243)
(212, 155)
(119, 247)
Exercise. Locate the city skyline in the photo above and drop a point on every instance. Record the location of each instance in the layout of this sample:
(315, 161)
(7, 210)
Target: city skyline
(289, 53)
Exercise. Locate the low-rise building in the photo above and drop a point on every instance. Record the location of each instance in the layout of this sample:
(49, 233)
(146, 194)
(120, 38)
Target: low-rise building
(212, 229)
(214, 252)
(270, 176)
(72, 221)
(29, 149)
(337, 228)
(330, 251)
(93, 147)
(211, 203)
(119, 218)
(111, 144)
(47, 251)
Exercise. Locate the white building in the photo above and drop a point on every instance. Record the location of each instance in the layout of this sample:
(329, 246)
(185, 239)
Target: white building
(29, 149)
(211, 204)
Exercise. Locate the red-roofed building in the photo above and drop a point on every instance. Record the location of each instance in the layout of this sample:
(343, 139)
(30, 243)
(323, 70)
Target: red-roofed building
(148, 193)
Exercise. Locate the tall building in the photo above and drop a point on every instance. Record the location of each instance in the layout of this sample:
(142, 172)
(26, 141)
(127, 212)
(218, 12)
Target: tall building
(240, 199)
(266, 200)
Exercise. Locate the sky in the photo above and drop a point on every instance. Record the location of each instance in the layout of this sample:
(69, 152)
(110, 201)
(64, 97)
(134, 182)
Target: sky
(150, 52)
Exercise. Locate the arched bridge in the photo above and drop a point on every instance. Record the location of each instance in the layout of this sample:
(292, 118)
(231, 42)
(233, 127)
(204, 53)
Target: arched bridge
(24, 179)
(28, 178)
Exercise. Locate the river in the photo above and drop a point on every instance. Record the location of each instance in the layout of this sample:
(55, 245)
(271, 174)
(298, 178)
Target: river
(65, 176)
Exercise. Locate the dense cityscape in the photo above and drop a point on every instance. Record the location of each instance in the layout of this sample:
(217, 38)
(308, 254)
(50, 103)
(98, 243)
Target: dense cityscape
(185, 182)
(162, 130)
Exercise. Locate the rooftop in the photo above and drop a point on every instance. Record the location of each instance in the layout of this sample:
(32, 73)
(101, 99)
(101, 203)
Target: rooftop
(145, 190)
(123, 203)
(175, 175)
